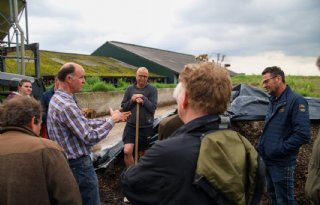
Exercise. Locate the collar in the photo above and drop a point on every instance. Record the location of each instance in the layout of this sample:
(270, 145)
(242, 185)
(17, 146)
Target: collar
(282, 96)
(135, 85)
(23, 129)
(64, 93)
(201, 124)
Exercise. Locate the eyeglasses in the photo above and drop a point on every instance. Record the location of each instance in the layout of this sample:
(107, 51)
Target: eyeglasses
(142, 76)
(266, 81)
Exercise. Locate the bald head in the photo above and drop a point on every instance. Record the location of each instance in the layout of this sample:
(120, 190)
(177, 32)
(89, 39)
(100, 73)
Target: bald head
(66, 69)
(142, 77)
(142, 70)
(72, 77)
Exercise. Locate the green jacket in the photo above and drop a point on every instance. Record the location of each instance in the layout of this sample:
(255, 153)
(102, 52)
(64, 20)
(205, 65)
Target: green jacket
(312, 187)
(229, 162)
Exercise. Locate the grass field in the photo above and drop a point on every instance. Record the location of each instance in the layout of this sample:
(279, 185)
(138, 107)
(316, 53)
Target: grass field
(308, 86)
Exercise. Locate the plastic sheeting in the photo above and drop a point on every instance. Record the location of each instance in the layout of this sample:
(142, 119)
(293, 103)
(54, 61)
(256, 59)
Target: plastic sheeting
(250, 103)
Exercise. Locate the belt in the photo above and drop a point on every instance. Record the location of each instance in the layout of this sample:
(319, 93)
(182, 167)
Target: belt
(81, 157)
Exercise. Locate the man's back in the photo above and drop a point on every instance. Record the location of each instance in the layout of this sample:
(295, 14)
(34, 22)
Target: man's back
(34, 171)
(165, 174)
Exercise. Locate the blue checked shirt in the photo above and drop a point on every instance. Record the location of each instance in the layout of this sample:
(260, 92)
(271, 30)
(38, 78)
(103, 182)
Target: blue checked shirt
(70, 129)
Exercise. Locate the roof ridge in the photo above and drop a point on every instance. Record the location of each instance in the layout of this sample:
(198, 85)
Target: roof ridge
(150, 48)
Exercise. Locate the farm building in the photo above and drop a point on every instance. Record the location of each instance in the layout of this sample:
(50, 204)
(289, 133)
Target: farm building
(162, 62)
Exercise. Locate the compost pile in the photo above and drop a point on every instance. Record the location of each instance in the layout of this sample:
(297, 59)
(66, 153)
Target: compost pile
(109, 178)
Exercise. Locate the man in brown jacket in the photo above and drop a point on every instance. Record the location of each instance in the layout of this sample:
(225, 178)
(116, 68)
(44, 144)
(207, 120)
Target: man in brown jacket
(33, 170)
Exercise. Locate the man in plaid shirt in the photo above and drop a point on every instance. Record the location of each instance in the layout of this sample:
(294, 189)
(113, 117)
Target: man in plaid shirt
(75, 133)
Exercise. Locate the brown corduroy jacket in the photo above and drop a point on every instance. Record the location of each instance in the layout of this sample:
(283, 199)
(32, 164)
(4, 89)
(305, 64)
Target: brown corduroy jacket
(34, 170)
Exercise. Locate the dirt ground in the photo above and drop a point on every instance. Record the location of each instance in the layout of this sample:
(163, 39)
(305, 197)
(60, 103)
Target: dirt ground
(109, 178)
(109, 182)
(252, 130)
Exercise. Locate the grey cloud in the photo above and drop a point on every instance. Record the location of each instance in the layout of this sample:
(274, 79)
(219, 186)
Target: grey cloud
(283, 25)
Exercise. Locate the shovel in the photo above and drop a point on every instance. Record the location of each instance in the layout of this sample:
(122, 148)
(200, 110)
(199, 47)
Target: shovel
(136, 146)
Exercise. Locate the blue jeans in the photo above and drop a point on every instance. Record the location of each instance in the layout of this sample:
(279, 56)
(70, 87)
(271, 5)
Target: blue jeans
(280, 184)
(87, 180)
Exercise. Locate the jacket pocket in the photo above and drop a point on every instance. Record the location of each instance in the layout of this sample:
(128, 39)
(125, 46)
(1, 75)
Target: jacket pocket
(274, 150)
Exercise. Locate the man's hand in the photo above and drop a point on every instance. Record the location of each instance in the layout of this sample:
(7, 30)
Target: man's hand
(118, 116)
(138, 98)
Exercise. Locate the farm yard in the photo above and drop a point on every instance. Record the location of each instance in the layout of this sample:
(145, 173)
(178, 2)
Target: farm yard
(109, 178)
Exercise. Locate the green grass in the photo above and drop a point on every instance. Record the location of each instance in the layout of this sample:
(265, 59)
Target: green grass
(308, 86)
(161, 85)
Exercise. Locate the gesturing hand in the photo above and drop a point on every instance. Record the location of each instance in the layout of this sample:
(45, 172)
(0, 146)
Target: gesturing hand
(118, 116)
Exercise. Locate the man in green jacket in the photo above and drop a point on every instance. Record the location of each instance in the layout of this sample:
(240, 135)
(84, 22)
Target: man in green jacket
(33, 170)
(312, 187)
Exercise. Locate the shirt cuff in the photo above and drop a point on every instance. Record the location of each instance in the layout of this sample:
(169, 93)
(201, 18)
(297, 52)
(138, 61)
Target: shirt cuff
(110, 121)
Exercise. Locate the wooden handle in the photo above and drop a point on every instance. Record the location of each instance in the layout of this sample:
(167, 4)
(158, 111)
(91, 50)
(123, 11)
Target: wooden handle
(136, 145)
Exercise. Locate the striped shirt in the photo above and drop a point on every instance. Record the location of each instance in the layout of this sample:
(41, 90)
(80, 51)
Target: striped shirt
(71, 129)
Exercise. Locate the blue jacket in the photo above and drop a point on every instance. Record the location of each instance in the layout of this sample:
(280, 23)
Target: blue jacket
(45, 100)
(286, 128)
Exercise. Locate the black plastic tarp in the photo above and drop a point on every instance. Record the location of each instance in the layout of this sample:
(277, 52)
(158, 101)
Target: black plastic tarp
(250, 103)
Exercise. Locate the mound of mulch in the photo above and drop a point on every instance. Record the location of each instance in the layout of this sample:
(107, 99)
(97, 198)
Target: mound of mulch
(109, 182)
(109, 178)
(252, 130)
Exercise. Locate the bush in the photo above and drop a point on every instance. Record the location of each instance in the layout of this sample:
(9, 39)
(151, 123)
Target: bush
(93, 80)
(122, 85)
(161, 85)
(101, 86)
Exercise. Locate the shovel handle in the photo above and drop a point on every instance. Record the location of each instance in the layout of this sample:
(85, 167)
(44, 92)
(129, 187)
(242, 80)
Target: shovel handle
(136, 145)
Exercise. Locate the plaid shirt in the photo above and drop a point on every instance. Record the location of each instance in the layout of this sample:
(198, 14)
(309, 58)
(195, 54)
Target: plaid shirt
(70, 129)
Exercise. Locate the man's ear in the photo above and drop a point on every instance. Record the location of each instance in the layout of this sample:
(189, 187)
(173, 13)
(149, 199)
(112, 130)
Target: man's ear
(68, 78)
(33, 123)
(184, 99)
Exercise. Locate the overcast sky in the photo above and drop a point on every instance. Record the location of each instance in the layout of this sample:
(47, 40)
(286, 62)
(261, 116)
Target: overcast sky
(253, 34)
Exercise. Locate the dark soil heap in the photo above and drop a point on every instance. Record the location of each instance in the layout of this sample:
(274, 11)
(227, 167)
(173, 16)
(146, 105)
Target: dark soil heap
(109, 178)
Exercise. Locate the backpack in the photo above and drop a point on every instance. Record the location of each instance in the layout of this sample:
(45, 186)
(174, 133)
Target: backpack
(229, 169)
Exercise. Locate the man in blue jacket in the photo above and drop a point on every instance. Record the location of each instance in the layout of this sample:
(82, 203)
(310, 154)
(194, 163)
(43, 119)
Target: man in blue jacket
(286, 128)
